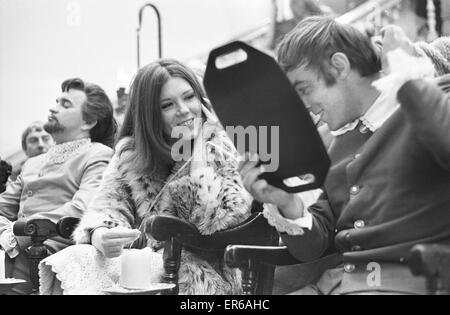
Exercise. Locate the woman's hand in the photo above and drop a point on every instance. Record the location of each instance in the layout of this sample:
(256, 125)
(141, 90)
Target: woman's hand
(199, 156)
(289, 205)
(111, 242)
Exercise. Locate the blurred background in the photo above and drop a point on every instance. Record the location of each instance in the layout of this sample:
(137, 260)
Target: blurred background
(43, 42)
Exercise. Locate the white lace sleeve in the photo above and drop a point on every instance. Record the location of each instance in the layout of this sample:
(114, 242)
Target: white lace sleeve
(284, 225)
(293, 227)
(8, 241)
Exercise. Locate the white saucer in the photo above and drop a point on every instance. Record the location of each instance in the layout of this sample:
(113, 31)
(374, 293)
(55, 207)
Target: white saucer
(11, 281)
(152, 290)
(8, 284)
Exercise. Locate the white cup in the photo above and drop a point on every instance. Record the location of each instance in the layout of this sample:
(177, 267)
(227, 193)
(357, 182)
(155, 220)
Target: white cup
(136, 270)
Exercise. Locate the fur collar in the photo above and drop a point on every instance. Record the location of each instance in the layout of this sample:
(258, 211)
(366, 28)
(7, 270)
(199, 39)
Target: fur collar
(146, 189)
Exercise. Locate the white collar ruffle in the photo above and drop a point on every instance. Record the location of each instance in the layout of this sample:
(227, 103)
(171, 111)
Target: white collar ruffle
(60, 153)
(374, 118)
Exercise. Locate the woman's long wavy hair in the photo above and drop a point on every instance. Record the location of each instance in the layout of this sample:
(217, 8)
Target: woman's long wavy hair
(150, 150)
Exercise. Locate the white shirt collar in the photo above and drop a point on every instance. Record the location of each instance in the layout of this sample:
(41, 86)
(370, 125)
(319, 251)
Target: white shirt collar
(374, 118)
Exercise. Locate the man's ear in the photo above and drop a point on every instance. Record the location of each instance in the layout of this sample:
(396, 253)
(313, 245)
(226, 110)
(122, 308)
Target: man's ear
(88, 125)
(340, 65)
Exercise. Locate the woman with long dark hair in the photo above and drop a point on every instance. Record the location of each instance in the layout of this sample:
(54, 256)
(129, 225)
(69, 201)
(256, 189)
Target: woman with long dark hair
(170, 159)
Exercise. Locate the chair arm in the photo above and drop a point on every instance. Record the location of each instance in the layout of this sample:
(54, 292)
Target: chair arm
(66, 226)
(254, 231)
(433, 262)
(240, 256)
(164, 228)
(45, 228)
(39, 230)
(178, 234)
(36, 228)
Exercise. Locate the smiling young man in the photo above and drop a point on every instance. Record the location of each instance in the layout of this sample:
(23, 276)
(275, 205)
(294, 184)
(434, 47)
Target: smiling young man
(389, 184)
(63, 181)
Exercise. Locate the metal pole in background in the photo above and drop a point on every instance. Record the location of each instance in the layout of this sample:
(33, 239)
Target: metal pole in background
(138, 32)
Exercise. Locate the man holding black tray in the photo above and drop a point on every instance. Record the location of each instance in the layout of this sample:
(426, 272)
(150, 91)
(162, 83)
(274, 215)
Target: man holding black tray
(388, 188)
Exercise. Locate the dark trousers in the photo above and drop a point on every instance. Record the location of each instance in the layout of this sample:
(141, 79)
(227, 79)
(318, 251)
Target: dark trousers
(19, 268)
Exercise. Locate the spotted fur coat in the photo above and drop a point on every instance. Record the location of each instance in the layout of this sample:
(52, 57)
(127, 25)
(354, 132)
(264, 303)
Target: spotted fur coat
(212, 198)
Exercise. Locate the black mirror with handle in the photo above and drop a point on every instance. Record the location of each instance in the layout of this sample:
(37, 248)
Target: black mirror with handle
(255, 101)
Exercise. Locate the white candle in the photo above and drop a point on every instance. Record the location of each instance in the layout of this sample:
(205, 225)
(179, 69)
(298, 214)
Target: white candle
(136, 270)
(2, 265)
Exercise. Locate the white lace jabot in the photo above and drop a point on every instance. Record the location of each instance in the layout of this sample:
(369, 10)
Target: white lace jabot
(60, 153)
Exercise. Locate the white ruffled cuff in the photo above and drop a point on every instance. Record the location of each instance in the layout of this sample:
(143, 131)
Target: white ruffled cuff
(284, 225)
(8, 241)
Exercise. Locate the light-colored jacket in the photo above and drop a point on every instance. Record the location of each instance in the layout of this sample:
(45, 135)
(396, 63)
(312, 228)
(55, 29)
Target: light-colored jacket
(54, 189)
